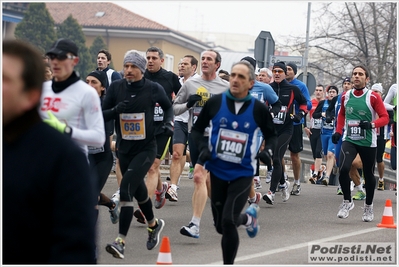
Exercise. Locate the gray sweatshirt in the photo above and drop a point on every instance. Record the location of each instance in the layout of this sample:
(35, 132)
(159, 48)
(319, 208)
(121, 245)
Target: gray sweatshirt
(197, 85)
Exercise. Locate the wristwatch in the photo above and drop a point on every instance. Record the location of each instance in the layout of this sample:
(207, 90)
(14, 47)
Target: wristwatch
(372, 125)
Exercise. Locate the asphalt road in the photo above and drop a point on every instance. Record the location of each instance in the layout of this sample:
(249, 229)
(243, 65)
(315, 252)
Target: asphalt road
(286, 229)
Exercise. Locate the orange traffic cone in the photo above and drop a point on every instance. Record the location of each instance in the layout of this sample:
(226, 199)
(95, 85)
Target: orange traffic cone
(387, 216)
(164, 256)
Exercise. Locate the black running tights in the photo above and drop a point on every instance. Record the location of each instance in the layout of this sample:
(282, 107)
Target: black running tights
(347, 155)
(134, 168)
(228, 199)
(278, 156)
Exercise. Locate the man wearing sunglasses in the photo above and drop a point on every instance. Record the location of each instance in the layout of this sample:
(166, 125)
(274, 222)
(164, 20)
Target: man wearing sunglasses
(68, 104)
(283, 121)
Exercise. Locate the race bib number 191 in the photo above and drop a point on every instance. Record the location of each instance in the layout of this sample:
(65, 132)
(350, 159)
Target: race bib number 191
(354, 131)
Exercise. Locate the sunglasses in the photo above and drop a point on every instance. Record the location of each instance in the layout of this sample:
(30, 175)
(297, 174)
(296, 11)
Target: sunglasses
(60, 57)
(278, 71)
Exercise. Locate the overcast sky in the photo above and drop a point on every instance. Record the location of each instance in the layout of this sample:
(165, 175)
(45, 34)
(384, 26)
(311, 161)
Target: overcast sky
(281, 18)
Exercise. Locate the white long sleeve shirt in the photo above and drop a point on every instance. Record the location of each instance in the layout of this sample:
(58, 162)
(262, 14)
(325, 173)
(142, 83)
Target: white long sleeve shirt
(79, 107)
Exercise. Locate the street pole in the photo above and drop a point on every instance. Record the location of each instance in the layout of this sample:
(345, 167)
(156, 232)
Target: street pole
(305, 72)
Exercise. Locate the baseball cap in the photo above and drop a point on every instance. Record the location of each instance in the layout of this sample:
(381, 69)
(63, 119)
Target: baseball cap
(62, 47)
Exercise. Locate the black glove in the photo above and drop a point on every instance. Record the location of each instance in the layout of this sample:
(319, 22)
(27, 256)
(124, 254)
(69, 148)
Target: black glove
(204, 155)
(121, 107)
(335, 138)
(365, 125)
(394, 108)
(266, 156)
(168, 129)
(192, 99)
(298, 117)
(329, 119)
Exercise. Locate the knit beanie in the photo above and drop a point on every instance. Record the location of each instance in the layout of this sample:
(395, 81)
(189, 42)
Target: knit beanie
(251, 60)
(347, 79)
(378, 87)
(333, 87)
(101, 76)
(293, 66)
(281, 65)
(136, 59)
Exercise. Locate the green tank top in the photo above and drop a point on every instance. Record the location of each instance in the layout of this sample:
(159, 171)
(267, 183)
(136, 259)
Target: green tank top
(356, 110)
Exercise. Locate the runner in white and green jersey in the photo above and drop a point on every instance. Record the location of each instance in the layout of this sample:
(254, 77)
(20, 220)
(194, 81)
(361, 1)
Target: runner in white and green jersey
(358, 119)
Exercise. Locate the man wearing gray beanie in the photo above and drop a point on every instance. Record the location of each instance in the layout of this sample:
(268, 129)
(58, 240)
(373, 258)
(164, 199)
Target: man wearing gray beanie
(136, 59)
(296, 144)
(128, 102)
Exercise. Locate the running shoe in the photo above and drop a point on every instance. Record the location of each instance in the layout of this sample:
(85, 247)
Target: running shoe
(284, 190)
(360, 195)
(117, 248)
(325, 181)
(191, 230)
(114, 213)
(339, 191)
(380, 185)
(171, 194)
(140, 216)
(191, 173)
(258, 196)
(153, 234)
(269, 197)
(116, 194)
(344, 209)
(368, 214)
(313, 179)
(160, 198)
(269, 176)
(257, 184)
(253, 228)
(296, 190)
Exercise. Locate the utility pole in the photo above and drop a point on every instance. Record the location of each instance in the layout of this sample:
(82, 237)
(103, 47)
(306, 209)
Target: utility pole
(305, 72)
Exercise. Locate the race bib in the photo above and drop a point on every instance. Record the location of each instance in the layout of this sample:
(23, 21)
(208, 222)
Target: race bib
(279, 118)
(231, 145)
(316, 123)
(328, 126)
(158, 113)
(132, 126)
(258, 96)
(354, 131)
(196, 112)
(95, 150)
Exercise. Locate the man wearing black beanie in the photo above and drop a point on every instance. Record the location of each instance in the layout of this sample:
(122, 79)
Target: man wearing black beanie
(296, 144)
(283, 121)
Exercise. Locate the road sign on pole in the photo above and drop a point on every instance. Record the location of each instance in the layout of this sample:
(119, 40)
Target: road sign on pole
(296, 59)
(264, 48)
(310, 82)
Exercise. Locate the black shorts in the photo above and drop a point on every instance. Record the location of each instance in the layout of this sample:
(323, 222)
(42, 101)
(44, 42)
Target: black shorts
(162, 145)
(296, 143)
(180, 134)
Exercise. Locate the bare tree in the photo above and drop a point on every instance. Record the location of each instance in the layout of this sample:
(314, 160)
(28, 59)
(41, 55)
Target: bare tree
(349, 34)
